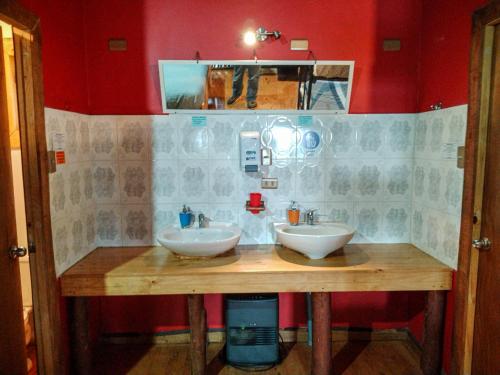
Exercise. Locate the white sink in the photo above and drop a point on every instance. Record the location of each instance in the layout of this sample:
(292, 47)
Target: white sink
(199, 242)
(314, 241)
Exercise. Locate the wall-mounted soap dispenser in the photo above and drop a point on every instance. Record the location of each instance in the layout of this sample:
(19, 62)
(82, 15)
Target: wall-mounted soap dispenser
(250, 155)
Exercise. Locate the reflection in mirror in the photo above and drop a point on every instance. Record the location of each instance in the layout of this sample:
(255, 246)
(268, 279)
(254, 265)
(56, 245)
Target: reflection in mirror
(243, 85)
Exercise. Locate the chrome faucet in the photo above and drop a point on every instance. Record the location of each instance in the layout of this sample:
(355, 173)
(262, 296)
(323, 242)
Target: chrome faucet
(310, 216)
(203, 221)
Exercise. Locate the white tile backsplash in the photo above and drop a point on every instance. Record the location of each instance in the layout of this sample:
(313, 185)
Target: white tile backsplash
(127, 177)
(438, 183)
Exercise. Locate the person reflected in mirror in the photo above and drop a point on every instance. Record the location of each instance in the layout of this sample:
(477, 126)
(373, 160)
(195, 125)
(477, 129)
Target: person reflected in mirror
(253, 84)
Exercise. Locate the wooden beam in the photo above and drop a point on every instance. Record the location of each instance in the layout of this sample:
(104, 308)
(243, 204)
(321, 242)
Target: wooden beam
(198, 324)
(13, 13)
(432, 352)
(322, 334)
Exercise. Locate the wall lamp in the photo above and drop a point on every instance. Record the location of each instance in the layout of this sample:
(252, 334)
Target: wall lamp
(261, 34)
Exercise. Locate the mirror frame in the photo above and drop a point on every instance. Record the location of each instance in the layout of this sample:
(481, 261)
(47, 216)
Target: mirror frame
(350, 63)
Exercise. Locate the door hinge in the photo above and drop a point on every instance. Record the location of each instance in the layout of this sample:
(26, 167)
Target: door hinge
(31, 247)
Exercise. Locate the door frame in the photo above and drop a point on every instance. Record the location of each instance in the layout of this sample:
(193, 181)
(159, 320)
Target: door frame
(483, 21)
(51, 355)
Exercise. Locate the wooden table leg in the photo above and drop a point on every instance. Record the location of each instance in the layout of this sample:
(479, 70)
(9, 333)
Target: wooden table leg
(322, 334)
(432, 353)
(80, 336)
(197, 321)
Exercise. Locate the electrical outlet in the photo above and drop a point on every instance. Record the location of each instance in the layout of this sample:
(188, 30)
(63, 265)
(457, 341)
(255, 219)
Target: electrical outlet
(269, 183)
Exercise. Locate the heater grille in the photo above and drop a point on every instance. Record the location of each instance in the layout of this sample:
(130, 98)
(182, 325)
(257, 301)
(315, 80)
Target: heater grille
(253, 336)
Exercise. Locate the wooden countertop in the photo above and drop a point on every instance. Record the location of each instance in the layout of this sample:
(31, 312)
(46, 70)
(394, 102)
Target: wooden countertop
(252, 269)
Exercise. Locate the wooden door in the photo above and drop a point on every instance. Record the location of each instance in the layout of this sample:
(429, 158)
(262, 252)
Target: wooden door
(486, 343)
(12, 345)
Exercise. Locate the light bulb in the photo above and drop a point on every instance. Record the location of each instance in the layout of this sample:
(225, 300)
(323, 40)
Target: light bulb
(249, 38)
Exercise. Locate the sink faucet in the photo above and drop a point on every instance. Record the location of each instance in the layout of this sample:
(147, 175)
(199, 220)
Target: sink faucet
(203, 221)
(310, 217)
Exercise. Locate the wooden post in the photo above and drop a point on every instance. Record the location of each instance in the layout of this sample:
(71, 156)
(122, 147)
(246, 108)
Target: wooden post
(80, 337)
(322, 334)
(197, 321)
(432, 353)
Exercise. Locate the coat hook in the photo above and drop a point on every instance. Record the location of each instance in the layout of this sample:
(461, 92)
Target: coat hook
(255, 55)
(436, 106)
(197, 57)
(311, 53)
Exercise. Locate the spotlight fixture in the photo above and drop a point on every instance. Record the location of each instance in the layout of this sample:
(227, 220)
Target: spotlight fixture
(261, 34)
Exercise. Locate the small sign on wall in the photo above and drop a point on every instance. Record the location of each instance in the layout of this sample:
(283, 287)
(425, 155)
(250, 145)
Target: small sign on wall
(59, 145)
(199, 121)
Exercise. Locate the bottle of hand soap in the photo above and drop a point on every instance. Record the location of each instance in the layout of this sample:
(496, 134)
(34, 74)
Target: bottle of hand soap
(293, 213)
(186, 217)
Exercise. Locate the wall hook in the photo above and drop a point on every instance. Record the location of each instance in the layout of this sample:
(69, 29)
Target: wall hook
(197, 57)
(437, 106)
(311, 53)
(255, 55)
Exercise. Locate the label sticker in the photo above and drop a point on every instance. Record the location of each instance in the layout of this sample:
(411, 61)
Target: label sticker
(199, 121)
(311, 140)
(305, 120)
(58, 145)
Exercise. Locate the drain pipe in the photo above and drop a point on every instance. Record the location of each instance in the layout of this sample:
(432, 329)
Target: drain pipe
(309, 319)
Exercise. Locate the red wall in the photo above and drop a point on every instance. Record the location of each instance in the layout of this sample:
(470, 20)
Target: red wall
(127, 82)
(444, 60)
(81, 75)
(63, 53)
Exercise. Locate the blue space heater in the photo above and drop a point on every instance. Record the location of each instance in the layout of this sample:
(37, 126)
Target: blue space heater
(252, 337)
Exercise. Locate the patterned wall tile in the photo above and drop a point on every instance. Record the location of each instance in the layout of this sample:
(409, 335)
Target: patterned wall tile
(368, 221)
(342, 212)
(193, 140)
(399, 136)
(164, 138)
(136, 225)
(343, 133)
(108, 224)
(223, 181)
(103, 138)
(369, 180)
(370, 135)
(310, 183)
(72, 140)
(133, 137)
(396, 222)
(165, 181)
(339, 180)
(223, 137)
(106, 177)
(193, 176)
(397, 179)
(135, 181)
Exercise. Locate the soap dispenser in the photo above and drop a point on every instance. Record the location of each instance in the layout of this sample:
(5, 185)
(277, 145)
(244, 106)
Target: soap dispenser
(293, 213)
(186, 217)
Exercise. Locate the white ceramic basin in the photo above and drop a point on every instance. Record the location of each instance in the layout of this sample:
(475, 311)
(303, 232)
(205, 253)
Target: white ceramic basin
(198, 242)
(314, 241)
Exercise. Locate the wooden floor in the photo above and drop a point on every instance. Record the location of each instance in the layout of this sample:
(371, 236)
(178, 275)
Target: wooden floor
(349, 358)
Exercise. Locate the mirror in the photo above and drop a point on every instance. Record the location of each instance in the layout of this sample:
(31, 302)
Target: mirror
(255, 85)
